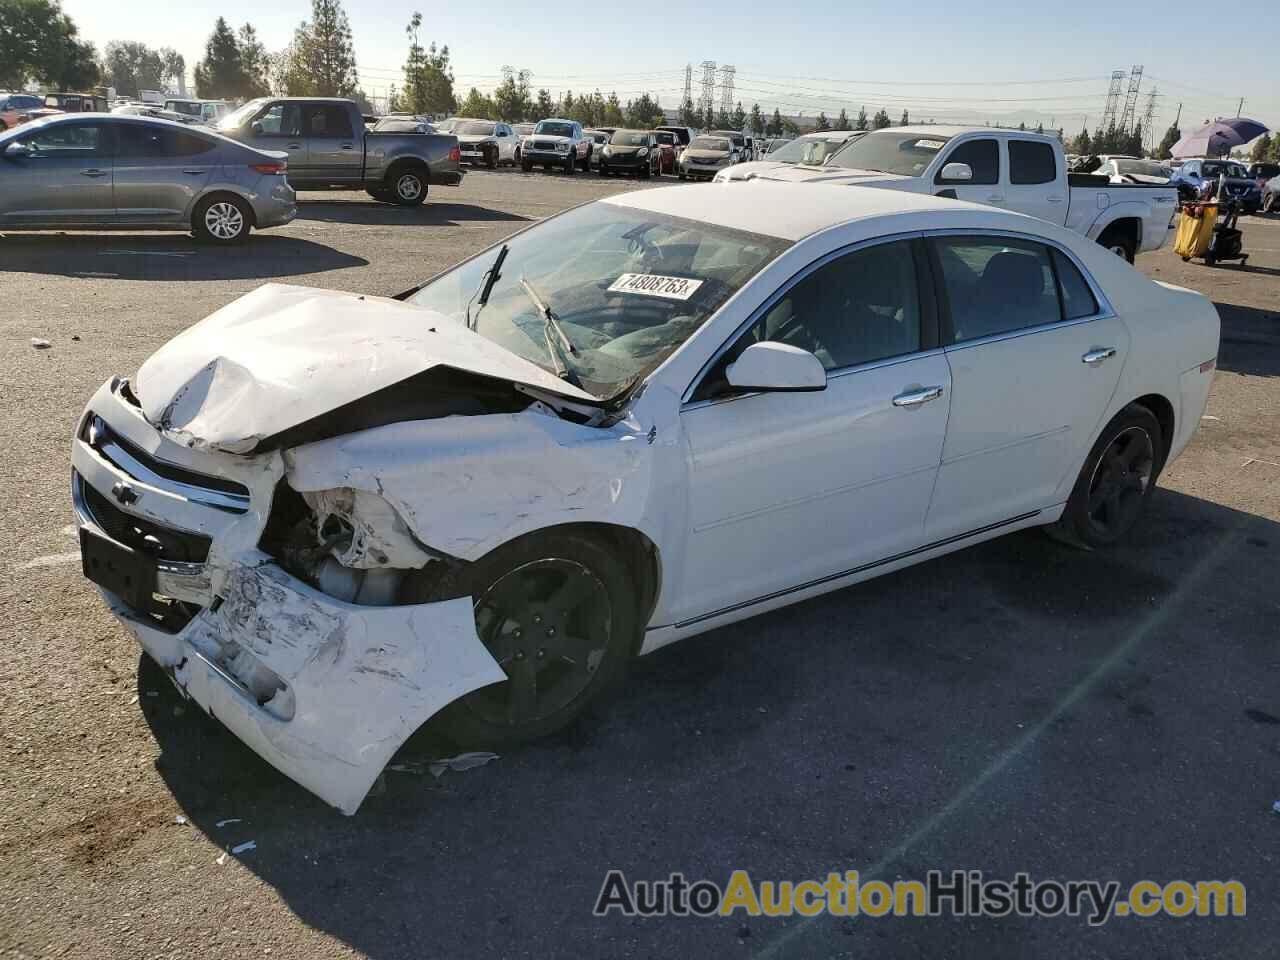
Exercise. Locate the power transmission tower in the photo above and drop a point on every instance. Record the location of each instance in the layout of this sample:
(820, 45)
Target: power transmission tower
(1131, 97)
(1149, 119)
(707, 102)
(726, 87)
(1113, 99)
(688, 85)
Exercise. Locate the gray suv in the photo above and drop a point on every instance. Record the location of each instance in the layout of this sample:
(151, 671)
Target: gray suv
(105, 170)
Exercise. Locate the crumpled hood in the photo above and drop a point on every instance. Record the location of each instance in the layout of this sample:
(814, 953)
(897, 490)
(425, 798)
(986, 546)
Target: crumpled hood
(282, 355)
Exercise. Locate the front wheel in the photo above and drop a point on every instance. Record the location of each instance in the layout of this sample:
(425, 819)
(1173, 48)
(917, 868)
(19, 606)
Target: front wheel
(222, 219)
(570, 164)
(1269, 203)
(1116, 481)
(556, 610)
(1119, 244)
(409, 188)
(526, 166)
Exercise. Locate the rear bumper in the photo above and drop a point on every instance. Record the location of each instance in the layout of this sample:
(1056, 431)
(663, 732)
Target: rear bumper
(324, 691)
(447, 178)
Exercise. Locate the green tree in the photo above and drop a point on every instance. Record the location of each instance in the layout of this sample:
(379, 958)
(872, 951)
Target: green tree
(38, 40)
(1273, 154)
(566, 104)
(1082, 143)
(822, 123)
(708, 120)
(477, 105)
(842, 121)
(688, 116)
(255, 63)
(132, 67)
(880, 120)
(775, 124)
(544, 106)
(861, 122)
(221, 72)
(321, 60)
(1165, 147)
(428, 78)
(906, 119)
(612, 115)
(511, 98)
(757, 120)
(739, 118)
(722, 120)
(643, 112)
(1261, 149)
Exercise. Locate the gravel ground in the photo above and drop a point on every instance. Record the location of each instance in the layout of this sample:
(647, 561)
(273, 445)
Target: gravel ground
(1018, 706)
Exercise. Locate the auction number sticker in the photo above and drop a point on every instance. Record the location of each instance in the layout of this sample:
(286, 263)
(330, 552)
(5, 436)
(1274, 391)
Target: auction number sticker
(655, 285)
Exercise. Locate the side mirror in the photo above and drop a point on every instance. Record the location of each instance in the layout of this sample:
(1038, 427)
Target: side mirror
(772, 366)
(17, 151)
(957, 171)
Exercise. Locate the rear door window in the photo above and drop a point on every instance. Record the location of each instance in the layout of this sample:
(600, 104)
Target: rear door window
(996, 285)
(328, 120)
(1031, 162)
(1077, 299)
(983, 158)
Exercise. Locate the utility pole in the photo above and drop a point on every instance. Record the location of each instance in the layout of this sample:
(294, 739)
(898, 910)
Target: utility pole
(1240, 106)
(1178, 119)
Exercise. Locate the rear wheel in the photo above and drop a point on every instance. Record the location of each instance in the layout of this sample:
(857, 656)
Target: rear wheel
(408, 187)
(526, 165)
(556, 611)
(1269, 203)
(1119, 243)
(492, 161)
(222, 219)
(1116, 481)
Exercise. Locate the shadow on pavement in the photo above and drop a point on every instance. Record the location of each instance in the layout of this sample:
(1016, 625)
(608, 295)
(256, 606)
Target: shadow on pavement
(167, 257)
(1016, 706)
(1250, 340)
(385, 214)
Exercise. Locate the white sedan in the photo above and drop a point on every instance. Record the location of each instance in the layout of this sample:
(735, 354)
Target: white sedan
(331, 517)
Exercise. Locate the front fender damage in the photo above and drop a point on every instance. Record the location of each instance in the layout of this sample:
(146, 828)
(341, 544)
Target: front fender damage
(353, 681)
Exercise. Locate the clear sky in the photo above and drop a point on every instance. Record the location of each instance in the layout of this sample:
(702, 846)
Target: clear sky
(936, 58)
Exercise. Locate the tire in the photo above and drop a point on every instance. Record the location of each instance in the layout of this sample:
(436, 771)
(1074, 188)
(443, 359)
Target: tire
(1269, 203)
(570, 164)
(492, 162)
(407, 186)
(379, 193)
(223, 219)
(681, 176)
(1116, 481)
(526, 166)
(558, 661)
(1118, 243)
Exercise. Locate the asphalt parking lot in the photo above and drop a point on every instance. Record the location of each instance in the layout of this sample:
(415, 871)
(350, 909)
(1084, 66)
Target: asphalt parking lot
(1019, 706)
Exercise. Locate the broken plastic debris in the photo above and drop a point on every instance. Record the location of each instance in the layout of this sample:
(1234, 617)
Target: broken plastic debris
(463, 761)
(223, 823)
(1275, 807)
(245, 847)
(222, 859)
(40, 344)
(179, 819)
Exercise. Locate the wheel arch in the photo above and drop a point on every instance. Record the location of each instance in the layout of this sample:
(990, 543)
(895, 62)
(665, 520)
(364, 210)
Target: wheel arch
(1162, 409)
(400, 164)
(1126, 225)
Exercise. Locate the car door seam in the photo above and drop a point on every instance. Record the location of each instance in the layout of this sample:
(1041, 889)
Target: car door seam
(1066, 427)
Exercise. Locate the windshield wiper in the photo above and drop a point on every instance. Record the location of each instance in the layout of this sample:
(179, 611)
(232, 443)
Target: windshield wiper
(560, 347)
(491, 276)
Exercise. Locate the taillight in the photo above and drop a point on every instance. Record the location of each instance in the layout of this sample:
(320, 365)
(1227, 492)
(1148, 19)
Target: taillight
(276, 166)
(455, 155)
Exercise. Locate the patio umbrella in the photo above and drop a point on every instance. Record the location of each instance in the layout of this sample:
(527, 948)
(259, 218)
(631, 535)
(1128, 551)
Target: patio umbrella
(1215, 139)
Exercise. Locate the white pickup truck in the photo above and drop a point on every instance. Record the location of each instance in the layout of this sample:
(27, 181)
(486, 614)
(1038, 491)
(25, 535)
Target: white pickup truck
(1023, 172)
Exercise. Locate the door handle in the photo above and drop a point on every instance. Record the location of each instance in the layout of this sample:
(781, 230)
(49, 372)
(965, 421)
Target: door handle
(93, 173)
(348, 146)
(294, 146)
(1098, 354)
(195, 172)
(1054, 199)
(913, 398)
(996, 197)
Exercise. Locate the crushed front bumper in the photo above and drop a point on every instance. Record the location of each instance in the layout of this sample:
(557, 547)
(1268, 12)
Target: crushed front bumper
(324, 691)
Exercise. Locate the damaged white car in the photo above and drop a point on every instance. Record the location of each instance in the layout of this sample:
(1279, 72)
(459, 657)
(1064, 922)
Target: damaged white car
(331, 517)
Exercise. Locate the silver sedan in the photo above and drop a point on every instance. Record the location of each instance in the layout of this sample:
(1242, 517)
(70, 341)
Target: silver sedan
(87, 171)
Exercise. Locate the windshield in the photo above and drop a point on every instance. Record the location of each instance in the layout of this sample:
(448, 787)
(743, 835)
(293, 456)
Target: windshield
(664, 138)
(808, 150)
(553, 128)
(628, 287)
(1214, 170)
(629, 138)
(776, 145)
(709, 143)
(906, 154)
(183, 106)
(1142, 168)
(522, 129)
(474, 129)
(238, 118)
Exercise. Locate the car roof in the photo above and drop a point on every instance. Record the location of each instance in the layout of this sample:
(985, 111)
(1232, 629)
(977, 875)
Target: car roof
(792, 211)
